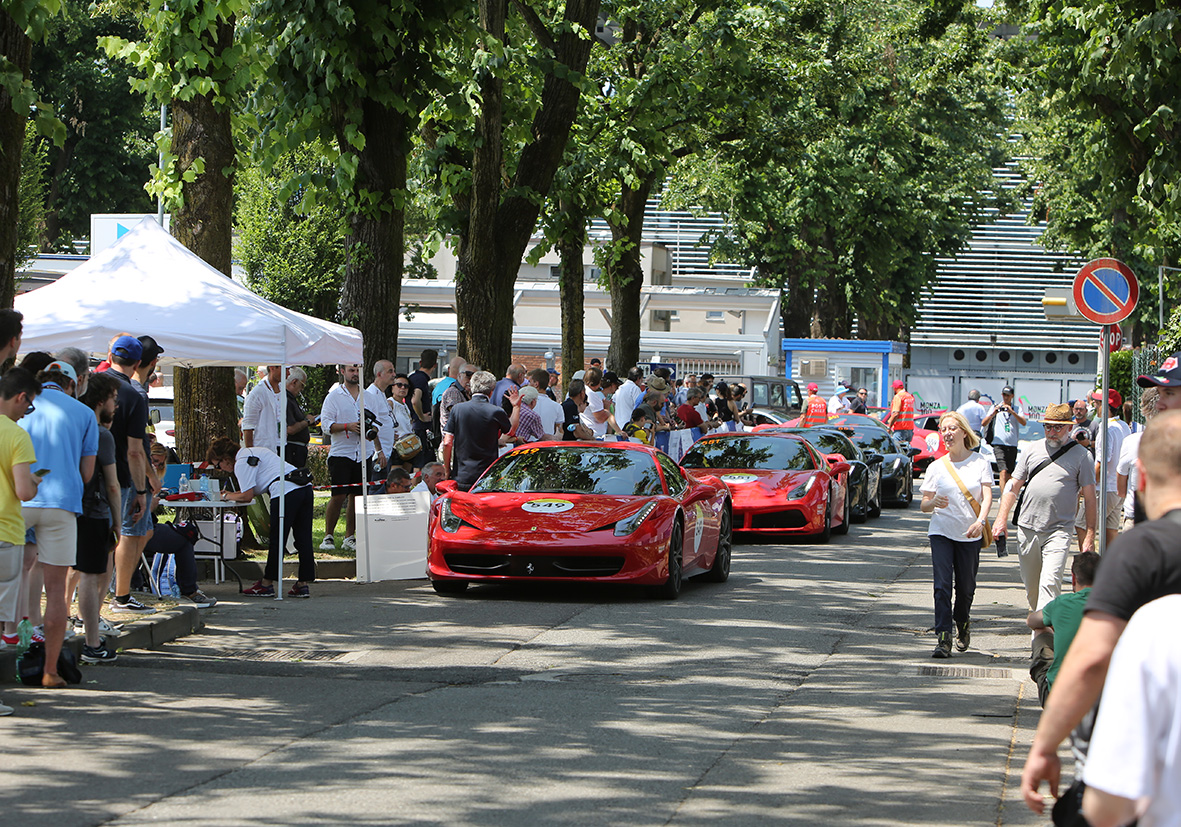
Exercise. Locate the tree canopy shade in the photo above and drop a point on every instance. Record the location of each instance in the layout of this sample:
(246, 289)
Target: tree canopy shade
(1100, 108)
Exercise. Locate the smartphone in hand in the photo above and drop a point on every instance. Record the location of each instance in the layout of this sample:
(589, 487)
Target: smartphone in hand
(41, 472)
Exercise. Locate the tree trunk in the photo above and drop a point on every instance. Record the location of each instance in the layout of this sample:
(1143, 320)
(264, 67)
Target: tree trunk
(205, 404)
(625, 276)
(797, 301)
(499, 226)
(372, 290)
(570, 250)
(16, 47)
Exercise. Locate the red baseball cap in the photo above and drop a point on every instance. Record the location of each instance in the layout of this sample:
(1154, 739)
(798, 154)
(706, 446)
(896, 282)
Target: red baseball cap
(1114, 399)
(812, 386)
(898, 383)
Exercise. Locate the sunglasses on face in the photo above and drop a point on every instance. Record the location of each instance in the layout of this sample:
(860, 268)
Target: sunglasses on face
(401, 385)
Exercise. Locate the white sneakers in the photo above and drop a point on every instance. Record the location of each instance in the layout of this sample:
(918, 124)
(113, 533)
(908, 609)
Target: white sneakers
(329, 543)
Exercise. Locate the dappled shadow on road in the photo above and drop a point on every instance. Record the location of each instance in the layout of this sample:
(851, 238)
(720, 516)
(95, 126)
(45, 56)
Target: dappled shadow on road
(790, 693)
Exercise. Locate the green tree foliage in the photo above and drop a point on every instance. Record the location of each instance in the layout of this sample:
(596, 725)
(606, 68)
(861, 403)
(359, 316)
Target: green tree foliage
(873, 159)
(31, 199)
(102, 165)
(494, 145)
(21, 23)
(1099, 105)
(292, 248)
(191, 58)
(352, 77)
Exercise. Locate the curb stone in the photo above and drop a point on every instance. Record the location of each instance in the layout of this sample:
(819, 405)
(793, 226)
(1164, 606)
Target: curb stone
(141, 633)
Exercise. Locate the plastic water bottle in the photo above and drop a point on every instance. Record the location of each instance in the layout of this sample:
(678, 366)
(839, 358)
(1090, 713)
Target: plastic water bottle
(205, 485)
(24, 633)
(183, 486)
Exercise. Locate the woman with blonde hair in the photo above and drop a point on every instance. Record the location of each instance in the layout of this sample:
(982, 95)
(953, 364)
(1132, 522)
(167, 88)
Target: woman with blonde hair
(957, 493)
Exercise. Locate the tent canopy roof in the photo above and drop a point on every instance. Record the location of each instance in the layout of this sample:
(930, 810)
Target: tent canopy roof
(148, 283)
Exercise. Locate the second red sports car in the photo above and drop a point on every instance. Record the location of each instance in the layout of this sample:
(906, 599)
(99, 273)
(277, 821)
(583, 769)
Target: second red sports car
(780, 484)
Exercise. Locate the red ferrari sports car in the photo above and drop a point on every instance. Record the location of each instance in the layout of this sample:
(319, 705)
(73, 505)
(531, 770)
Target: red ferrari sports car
(587, 512)
(780, 484)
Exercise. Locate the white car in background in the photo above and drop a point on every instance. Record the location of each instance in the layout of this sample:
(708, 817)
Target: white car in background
(161, 416)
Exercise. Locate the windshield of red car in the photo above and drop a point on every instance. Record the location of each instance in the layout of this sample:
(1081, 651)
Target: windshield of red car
(761, 453)
(592, 469)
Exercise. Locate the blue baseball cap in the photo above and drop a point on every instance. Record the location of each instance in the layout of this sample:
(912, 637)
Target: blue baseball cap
(128, 347)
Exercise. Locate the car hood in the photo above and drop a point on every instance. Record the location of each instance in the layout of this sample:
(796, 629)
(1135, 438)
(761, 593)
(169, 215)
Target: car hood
(508, 512)
(750, 485)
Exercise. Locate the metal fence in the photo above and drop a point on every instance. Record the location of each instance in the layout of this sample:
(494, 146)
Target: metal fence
(1144, 360)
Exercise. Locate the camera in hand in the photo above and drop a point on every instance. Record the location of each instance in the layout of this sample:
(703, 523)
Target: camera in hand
(370, 425)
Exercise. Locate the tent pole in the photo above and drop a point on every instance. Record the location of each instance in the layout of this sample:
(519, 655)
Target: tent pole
(364, 515)
(281, 401)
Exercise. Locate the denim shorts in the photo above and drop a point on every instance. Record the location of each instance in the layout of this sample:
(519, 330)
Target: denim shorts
(143, 525)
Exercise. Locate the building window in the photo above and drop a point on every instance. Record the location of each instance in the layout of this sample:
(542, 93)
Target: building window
(715, 316)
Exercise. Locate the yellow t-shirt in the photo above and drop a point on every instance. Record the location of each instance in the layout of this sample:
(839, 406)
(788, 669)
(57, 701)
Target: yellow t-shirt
(15, 448)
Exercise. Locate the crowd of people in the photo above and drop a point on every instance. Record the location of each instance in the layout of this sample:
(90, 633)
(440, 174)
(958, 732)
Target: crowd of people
(76, 489)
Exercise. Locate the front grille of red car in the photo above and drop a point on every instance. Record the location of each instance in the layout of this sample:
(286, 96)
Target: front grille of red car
(530, 565)
(778, 519)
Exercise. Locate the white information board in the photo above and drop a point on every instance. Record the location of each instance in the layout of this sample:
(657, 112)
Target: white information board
(391, 537)
(931, 393)
(107, 228)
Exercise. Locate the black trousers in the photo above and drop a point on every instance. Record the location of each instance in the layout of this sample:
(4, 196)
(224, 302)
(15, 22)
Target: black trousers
(959, 560)
(298, 520)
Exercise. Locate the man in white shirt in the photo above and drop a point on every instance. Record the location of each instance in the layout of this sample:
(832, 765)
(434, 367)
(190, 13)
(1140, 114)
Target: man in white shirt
(339, 417)
(432, 475)
(377, 403)
(629, 395)
(551, 413)
(1109, 441)
(1134, 757)
(265, 408)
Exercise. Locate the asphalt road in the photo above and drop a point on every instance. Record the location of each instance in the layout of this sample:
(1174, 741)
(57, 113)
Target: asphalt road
(800, 692)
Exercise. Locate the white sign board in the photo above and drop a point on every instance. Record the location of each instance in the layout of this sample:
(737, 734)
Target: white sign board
(931, 393)
(1035, 395)
(391, 537)
(107, 228)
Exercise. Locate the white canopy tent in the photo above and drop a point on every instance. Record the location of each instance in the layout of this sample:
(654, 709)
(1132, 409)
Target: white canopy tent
(148, 283)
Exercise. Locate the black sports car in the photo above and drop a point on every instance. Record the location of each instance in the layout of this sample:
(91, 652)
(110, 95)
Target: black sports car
(865, 480)
(897, 460)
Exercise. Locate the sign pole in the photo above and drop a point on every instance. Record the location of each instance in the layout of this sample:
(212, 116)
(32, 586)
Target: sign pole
(1101, 517)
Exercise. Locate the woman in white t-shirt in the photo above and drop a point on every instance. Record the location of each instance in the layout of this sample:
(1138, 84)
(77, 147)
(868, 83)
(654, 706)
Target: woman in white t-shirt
(956, 528)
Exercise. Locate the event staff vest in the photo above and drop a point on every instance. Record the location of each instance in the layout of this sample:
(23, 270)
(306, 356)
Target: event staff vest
(816, 414)
(905, 419)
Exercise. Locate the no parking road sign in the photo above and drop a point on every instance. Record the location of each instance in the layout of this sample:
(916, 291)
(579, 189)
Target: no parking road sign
(1105, 291)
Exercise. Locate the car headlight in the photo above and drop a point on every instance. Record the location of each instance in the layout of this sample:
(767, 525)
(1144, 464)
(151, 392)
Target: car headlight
(800, 490)
(447, 519)
(628, 525)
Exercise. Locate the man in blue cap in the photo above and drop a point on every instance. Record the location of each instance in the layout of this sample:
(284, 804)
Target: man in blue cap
(131, 465)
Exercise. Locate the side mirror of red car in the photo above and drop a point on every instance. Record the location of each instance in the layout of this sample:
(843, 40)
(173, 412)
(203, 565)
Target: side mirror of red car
(444, 486)
(837, 463)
